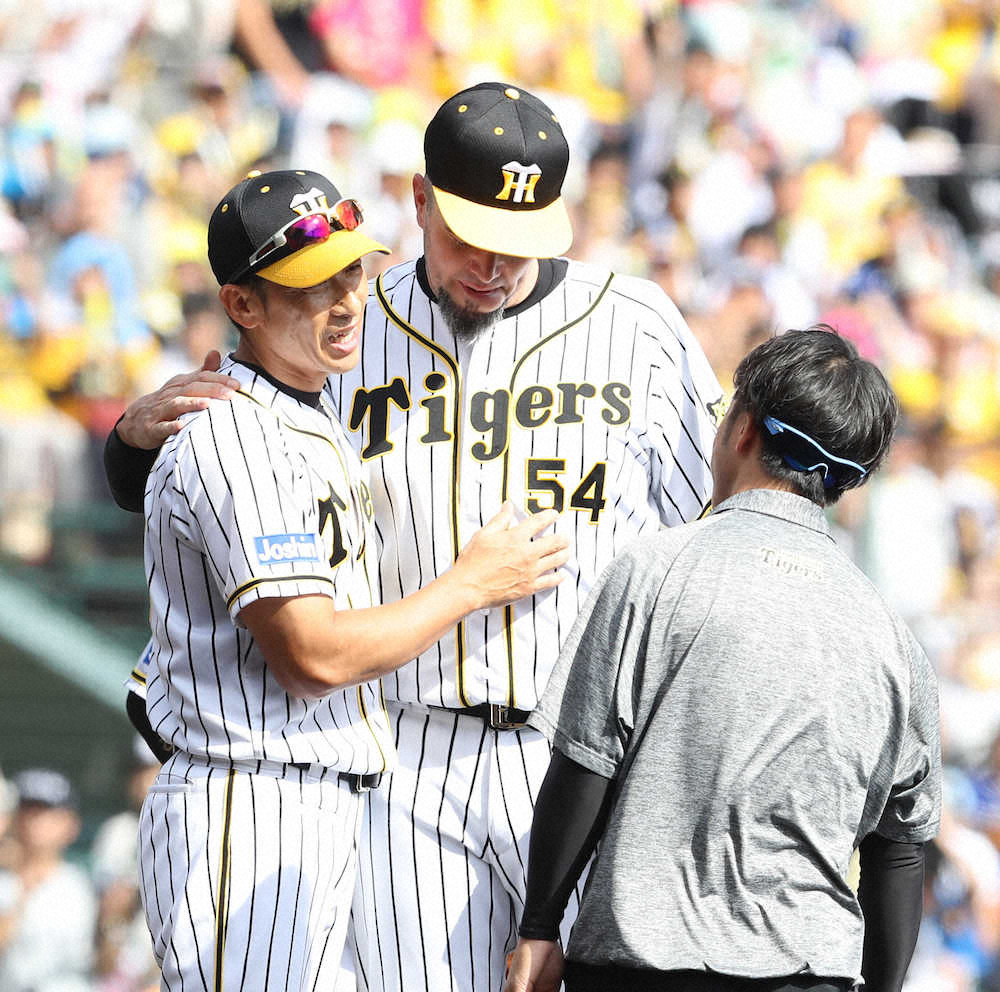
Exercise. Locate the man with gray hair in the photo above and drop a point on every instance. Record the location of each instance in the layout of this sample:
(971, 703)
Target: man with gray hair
(735, 711)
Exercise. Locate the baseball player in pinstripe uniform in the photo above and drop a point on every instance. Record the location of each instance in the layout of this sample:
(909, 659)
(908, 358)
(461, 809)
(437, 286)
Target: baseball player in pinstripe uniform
(259, 555)
(491, 369)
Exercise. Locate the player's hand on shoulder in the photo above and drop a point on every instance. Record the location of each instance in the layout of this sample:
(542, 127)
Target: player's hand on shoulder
(152, 418)
(535, 966)
(507, 560)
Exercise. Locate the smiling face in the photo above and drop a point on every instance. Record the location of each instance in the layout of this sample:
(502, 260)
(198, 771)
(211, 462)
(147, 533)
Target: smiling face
(300, 336)
(478, 284)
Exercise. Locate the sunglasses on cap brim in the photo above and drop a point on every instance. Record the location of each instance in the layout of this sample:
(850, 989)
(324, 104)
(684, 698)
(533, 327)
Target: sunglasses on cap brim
(836, 471)
(304, 232)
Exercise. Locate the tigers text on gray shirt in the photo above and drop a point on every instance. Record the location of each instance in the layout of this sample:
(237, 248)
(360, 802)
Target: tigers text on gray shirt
(762, 711)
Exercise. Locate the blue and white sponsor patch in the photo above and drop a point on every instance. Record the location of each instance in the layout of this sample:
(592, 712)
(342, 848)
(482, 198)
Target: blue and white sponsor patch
(277, 548)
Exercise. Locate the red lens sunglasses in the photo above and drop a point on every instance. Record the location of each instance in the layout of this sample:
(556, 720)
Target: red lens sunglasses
(303, 232)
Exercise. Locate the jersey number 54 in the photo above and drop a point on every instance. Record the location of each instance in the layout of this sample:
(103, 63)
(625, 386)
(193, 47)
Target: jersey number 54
(545, 475)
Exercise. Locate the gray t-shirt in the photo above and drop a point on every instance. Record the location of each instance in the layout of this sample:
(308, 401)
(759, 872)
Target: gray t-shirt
(762, 710)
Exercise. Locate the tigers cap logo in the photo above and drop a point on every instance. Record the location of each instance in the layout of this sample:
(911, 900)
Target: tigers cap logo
(312, 202)
(519, 180)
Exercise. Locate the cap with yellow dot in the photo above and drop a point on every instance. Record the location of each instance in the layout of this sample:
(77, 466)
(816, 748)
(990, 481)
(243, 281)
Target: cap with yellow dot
(250, 215)
(497, 157)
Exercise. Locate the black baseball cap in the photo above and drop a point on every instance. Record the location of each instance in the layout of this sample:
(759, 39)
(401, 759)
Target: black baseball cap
(496, 157)
(249, 216)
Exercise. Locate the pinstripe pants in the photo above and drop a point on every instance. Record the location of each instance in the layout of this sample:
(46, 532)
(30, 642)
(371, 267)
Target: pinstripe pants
(247, 875)
(444, 853)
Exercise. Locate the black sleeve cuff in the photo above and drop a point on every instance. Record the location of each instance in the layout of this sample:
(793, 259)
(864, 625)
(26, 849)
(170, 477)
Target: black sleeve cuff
(127, 469)
(539, 931)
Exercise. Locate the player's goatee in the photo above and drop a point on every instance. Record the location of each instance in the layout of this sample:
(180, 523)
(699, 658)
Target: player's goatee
(463, 322)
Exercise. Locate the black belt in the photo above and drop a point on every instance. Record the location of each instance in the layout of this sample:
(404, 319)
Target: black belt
(359, 781)
(498, 716)
(581, 977)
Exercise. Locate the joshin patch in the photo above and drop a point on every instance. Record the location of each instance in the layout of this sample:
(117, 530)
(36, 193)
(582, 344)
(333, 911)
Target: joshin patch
(277, 548)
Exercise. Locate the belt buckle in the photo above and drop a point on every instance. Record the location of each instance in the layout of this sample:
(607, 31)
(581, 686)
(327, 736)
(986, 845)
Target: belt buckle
(365, 783)
(500, 717)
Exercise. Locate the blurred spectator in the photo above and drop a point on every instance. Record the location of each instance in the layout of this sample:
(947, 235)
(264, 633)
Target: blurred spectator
(221, 125)
(593, 49)
(47, 905)
(960, 936)
(204, 328)
(848, 193)
(730, 192)
(329, 135)
(603, 224)
(28, 165)
(43, 451)
(735, 316)
(911, 544)
(93, 321)
(276, 39)
(677, 115)
(374, 42)
(398, 154)
(44, 459)
(75, 47)
(791, 303)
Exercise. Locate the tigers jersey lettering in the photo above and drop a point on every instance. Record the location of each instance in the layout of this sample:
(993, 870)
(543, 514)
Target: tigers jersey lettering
(596, 399)
(254, 498)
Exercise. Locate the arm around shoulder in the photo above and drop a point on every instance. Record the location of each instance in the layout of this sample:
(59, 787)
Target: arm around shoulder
(127, 469)
(132, 446)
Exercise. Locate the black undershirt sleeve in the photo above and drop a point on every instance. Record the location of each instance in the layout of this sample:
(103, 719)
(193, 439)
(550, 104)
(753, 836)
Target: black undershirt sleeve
(891, 896)
(570, 816)
(135, 707)
(127, 469)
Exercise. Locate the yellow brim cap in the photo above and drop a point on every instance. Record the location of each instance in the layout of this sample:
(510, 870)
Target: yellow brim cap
(542, 233)
(317, 263)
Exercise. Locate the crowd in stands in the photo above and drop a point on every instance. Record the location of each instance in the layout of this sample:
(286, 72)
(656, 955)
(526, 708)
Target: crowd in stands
(771, 164)
(67, 927)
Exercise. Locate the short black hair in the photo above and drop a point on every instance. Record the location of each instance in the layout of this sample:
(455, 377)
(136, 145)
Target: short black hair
(815, 381)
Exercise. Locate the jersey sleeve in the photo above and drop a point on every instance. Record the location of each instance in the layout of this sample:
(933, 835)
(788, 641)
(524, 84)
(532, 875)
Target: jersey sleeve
(912, 813)
(587, 709)
(247, 502)
(683, 408)
(138, 678)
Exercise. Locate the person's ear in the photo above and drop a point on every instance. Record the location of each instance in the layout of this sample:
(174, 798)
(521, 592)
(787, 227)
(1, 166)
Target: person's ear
(421, 201)
(747, 434)
(242, 304)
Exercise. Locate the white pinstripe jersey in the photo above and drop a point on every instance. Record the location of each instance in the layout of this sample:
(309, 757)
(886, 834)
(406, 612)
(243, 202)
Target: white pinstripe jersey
(596, 399)
(258, 497)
